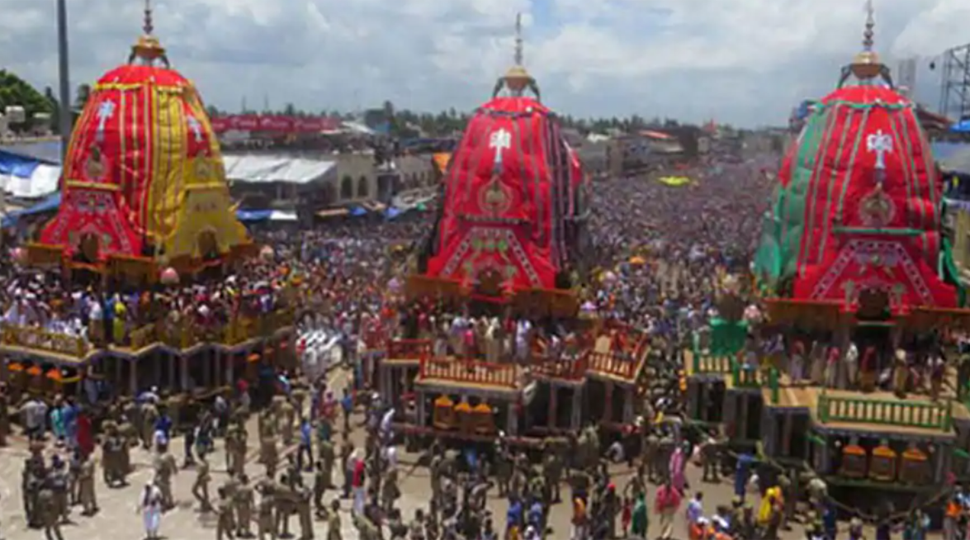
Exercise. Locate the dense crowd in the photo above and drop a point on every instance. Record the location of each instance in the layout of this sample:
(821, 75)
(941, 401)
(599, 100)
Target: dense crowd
(659, 256)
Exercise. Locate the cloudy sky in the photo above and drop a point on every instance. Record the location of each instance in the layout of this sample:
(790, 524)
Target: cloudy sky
(740, 61)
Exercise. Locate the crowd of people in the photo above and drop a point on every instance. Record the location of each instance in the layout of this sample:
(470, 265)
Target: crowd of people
(660, 253)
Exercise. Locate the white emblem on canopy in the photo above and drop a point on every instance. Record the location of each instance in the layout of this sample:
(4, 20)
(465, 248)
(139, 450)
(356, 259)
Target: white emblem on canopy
(500, 141)
(105, 111)
(881, 144)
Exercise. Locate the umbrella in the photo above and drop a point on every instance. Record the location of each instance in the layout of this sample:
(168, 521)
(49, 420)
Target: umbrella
(637, 260)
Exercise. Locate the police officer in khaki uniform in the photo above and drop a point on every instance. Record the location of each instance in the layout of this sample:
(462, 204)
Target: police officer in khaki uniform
(49, 513)
(333, 521)
(200, 488)
(390, 492)
(366, 528)
(552, 471)
(266, 519)
(269, 455)
(287, 416)
(165, 468)
(285, 499)
(327, 458)
(224, 525)
(85, 486)
(59, 481)
(128, 438)
(299, 399)
(149, 414)
(304, 513)
(243, 502)
(235, 449)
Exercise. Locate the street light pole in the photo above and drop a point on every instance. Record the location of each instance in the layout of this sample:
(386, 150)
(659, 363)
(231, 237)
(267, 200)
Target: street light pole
(66, 115)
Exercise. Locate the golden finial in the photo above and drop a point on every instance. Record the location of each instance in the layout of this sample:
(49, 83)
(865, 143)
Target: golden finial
(866, 65)
(148, 27)
(517, 78)
(148, 49)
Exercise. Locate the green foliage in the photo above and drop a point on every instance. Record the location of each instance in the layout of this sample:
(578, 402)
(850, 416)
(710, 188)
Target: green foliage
(16, 91)
(82, 97)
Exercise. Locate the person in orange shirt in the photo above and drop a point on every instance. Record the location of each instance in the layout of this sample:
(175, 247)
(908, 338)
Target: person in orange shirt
(951, 519)
(579, 520)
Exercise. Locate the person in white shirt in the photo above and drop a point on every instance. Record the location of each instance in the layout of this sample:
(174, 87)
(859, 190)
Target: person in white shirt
(150, 507)
(695, 511)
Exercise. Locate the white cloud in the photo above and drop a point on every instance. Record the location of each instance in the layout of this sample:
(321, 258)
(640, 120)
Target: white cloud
(743, 61)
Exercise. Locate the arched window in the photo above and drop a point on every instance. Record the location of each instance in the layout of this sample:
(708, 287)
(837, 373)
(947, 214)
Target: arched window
(347, 188)
(363, 189)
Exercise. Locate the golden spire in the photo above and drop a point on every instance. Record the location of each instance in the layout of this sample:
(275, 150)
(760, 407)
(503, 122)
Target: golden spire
(517, 78)
(866, 65)
(148, 49)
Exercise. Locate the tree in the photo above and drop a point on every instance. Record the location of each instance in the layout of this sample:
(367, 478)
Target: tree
(14, 91)
(82, 96)
(289, 110)
(55, 110)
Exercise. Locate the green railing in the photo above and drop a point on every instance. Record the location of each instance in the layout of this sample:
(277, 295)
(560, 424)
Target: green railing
(935, 416)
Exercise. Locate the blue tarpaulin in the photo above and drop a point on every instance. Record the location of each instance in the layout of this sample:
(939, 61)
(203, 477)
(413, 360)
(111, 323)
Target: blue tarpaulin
(357, 211)
(17, 165)
(961, 127)
(252, 216)
(50, 204)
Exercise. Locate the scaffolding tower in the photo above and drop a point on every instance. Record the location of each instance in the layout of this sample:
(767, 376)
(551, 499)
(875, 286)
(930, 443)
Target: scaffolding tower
(955, 98)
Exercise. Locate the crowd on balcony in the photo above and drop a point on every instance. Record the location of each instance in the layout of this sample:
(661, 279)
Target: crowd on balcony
(42, 300)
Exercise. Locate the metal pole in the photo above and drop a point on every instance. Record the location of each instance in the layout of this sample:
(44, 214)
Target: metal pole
(66, 115)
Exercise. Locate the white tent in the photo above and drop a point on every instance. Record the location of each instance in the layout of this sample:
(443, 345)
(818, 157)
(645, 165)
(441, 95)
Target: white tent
(270, 169)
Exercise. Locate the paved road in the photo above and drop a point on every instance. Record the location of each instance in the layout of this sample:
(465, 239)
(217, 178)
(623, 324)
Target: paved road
(118, 519)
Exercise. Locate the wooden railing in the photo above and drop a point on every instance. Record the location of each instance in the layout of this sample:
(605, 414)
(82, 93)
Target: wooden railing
(408, 349)
(705, 362)
(709, 363)
(471, 372)
(612, 364)
(181, 336)
(895, 413)
(558, 367)
(40, 339)
(240, 330)
(139, 338)
(746, 377)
